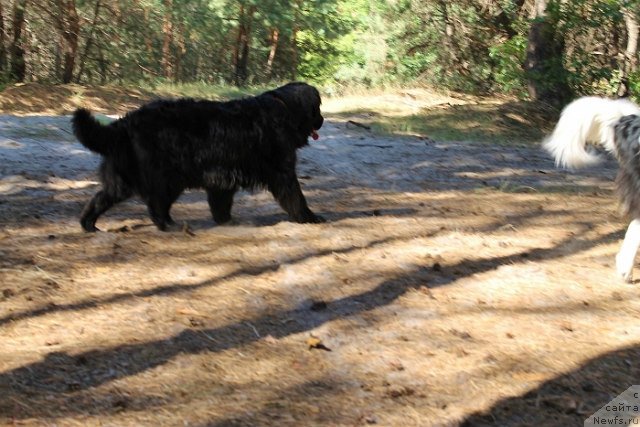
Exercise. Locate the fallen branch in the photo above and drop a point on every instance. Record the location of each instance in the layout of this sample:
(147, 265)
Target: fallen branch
(359, 124)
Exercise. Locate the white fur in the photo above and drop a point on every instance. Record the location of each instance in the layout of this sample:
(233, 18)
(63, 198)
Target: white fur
(588, 119)
(628, 251)
(592, 119)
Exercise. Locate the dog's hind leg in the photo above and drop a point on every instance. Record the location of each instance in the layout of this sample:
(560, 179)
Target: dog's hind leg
(286, 190)
(220, 203)
(627, 254)
(99, 204)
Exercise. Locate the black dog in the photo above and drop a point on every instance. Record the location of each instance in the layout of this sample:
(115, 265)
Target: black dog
(164, 147)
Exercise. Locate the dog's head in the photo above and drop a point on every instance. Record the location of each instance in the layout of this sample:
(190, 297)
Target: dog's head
(303, 102)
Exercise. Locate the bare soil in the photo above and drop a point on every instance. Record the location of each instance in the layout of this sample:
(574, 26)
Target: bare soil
(455, 283)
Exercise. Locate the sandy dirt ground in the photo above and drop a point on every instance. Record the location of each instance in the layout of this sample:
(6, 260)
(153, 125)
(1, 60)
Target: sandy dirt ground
(454, 283)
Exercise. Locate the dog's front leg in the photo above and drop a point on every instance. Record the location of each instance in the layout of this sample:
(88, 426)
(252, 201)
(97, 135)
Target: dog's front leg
(286, 190)
(628, 250)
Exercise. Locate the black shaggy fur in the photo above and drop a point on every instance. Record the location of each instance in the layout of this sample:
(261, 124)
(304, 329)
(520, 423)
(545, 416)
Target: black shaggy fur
(164, 147)
(627, 141)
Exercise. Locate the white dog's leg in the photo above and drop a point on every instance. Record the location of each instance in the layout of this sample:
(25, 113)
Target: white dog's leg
(627, 254)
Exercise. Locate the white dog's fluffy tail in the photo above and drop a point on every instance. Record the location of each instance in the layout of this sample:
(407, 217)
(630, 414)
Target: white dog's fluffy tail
(588, 119)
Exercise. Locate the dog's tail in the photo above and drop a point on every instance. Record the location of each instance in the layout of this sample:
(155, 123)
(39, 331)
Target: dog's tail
(588, 119)
(97, 137)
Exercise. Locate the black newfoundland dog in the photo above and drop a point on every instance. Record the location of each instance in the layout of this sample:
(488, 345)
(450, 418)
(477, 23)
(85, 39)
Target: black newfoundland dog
(164, 147)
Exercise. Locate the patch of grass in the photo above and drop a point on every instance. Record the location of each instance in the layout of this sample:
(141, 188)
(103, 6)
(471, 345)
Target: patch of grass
(77, 94)
(203, 90)
(481, 120)
(397, 111)
(36, 98)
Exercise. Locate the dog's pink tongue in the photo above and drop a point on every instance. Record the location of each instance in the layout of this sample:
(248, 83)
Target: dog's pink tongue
(314, 135)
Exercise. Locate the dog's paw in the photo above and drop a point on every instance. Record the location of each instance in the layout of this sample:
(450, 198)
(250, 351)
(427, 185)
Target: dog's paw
(320, 219)
(309, 218)
(315, 219)
(222, 219)
(624, 267)
(89, 228)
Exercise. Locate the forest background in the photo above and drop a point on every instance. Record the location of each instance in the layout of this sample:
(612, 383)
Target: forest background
(543, 50)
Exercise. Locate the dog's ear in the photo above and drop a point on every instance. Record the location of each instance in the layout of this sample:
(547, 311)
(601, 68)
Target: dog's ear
(303, 102)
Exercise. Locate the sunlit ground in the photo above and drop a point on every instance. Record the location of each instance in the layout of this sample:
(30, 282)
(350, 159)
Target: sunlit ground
(452, 282)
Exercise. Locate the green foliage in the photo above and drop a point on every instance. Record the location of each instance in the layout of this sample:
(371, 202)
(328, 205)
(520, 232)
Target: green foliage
(446, 43)
(201, 90)
(634, 85)
(508, 71)
(592, 32)
(325, 45)
(464, 45)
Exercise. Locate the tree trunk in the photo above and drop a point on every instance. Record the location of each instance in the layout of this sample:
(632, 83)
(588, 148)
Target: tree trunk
(148, 43)
(630, 62)
(243, 45)
(275, 34)
(102, 64)
(236, 47)
(167, 40)
(546, 76)
(69, 26)
(3, 49)
(181, 52)
(450, 46)
(18, 65)
(294, 39)
(87, 46)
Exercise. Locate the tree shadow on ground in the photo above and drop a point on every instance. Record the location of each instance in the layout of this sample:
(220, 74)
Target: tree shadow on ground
(569, 399)
(577, 243)
(74, 377)
(566, 400)
(69, 376)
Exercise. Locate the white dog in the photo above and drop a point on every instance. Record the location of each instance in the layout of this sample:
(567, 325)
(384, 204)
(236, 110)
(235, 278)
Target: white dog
(600, 120)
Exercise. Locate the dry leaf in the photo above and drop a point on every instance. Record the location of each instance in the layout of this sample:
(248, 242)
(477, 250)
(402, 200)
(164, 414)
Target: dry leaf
(186, 229)
(316, 343)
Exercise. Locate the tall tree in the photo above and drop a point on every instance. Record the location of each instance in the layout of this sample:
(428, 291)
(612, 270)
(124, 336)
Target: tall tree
(3, 49)
(546, 75)
(297, 5)
(451, 49)
(629, 63)
(467, 45)
(88, 44)
(243, 43)
(18, 64)
(68, 23)
(65, 21)
(273, 41)
(167, 39)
